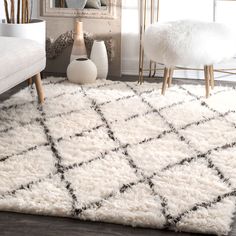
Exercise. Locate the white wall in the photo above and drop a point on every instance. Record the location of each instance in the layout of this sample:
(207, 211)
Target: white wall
(172, 10)
(130, 36)
(36, 7)
(1, 10)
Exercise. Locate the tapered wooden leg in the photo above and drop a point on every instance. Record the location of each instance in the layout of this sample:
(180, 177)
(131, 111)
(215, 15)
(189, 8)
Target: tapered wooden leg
(150, 69)
(154, 70)
(207, 82)
(165, 80)
(171, 72)
(30, 81)
(212, 77)
(39, 87)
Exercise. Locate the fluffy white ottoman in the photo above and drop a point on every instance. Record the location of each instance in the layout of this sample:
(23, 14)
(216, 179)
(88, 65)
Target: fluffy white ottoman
(189, 43)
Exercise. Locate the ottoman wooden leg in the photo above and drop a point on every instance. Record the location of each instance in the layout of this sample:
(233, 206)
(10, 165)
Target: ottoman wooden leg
(39, 87)
(212, 77)
(171, 72)
(154, 70)
(150, 69)
(165, 80)
(207, 81)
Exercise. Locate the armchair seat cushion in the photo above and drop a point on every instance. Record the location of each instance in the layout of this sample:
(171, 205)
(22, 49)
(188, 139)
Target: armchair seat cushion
(189, 43)
(20, 59)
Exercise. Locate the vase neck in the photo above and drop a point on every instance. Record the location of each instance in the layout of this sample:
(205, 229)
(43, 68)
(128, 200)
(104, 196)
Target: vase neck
(79, 32)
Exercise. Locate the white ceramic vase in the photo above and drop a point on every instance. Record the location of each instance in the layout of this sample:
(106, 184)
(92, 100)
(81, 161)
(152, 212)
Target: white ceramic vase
(35, 30)
(99, 57)
(82, 71)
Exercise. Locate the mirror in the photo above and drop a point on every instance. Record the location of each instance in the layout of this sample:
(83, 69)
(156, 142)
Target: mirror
(80, 4)
(100, 9)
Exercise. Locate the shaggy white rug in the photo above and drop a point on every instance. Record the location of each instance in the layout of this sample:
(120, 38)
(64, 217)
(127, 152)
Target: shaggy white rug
(122, 153)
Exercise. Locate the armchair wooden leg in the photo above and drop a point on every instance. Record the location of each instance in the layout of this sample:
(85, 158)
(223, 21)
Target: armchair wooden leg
(207, 80)
(165, 81)
(30, 81)
(39, 87)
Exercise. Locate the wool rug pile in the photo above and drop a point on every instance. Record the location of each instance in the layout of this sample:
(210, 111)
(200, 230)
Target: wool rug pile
(122, 153)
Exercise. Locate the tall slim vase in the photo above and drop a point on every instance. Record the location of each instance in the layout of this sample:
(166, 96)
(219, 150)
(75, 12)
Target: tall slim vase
(79, 48)
(100, 58)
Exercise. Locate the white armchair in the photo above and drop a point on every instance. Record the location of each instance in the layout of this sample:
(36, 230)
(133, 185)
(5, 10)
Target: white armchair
(20, 60)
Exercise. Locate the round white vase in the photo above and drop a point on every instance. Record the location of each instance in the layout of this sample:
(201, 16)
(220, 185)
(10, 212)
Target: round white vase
(99, 57)
(35, 30)
(82, 71)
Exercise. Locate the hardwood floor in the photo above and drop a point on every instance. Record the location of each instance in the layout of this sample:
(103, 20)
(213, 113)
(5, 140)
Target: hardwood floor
(14, 224)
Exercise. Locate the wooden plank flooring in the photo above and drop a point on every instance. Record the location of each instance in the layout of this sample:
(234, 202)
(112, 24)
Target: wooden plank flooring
(14, 224)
